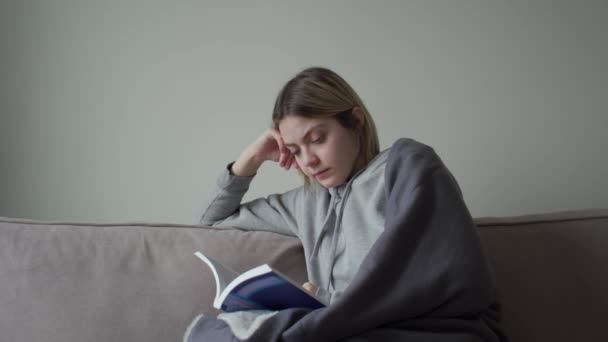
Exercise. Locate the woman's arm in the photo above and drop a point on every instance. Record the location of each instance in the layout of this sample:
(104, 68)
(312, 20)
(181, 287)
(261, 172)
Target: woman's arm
(274, 213)
(269, 146)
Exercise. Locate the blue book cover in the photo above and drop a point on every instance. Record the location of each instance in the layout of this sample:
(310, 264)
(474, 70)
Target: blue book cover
(260, 288)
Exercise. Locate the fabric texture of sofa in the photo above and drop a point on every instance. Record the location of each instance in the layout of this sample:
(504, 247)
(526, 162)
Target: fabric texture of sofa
(63, 281)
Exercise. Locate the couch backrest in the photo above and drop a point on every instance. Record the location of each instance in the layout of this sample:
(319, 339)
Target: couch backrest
(140, 282)
(552, 274)
(119, 282)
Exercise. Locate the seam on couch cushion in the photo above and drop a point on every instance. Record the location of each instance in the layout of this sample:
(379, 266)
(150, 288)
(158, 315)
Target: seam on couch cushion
(556, 217)
(109, 224)
(562, 216)
(122, 224)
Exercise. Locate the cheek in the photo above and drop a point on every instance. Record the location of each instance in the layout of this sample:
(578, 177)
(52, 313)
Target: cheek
(332, 156)
(347, 153)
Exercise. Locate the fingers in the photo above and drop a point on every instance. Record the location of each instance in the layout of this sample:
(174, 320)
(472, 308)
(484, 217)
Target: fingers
(286, 158)
(309, 287)
(290, 161)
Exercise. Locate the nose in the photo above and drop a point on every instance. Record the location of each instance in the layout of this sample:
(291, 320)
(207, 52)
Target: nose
(309, 159)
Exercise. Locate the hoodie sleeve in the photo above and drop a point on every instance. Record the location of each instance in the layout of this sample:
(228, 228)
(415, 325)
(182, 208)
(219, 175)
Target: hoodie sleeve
(275, 213)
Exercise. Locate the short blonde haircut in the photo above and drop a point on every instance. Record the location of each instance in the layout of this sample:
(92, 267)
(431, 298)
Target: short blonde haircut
(321, 93)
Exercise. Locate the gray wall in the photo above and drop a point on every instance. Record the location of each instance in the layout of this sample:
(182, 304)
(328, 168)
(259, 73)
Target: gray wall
(128, 110)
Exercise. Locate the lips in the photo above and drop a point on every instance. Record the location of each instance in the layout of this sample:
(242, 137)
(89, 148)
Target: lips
(321, 173)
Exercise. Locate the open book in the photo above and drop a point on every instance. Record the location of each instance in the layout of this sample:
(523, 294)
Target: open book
(260, 288)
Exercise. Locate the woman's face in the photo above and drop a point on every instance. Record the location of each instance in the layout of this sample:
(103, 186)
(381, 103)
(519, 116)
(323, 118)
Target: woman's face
(323, 149)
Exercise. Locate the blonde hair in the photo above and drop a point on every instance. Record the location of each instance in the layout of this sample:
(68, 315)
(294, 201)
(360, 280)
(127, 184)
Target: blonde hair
(321, 93)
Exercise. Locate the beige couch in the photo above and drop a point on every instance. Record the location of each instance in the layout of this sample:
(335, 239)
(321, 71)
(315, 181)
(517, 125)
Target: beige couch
(63, 282)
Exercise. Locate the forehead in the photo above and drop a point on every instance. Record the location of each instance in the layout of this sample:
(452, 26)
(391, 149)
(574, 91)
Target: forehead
(294, 128)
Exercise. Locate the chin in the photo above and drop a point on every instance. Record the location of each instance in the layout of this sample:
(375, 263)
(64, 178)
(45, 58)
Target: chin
(331, 183)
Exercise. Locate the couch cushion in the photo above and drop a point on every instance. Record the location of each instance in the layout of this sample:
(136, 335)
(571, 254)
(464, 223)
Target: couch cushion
(552, 274)
(120, 282)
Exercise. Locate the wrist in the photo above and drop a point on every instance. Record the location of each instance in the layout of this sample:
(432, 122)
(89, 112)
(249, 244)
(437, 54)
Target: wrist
(246, 165)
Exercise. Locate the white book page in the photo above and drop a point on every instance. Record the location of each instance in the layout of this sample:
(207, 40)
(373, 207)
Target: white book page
(252, 273)
(223, 276)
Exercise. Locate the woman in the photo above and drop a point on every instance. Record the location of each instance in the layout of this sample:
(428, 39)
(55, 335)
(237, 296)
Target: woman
(322, 128)
(388, 240)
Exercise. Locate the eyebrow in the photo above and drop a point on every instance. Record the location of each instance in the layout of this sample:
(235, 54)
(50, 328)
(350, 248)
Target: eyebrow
(308, 131)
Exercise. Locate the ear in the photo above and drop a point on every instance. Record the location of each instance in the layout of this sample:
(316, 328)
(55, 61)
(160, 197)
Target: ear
(358, 115)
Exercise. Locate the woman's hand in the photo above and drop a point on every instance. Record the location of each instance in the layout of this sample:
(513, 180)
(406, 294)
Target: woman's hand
(268, 146)
(310, 287)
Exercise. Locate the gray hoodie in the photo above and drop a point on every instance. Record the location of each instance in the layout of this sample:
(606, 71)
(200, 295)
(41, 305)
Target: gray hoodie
(337, 226)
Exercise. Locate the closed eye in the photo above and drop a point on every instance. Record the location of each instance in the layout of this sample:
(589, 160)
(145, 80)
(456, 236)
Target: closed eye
(318, 140)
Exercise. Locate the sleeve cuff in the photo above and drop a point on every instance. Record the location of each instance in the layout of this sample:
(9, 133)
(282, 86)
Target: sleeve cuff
(233, 183)
(323, 295)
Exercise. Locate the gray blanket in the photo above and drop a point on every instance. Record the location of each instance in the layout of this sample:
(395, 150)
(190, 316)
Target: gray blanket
(425, 279)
